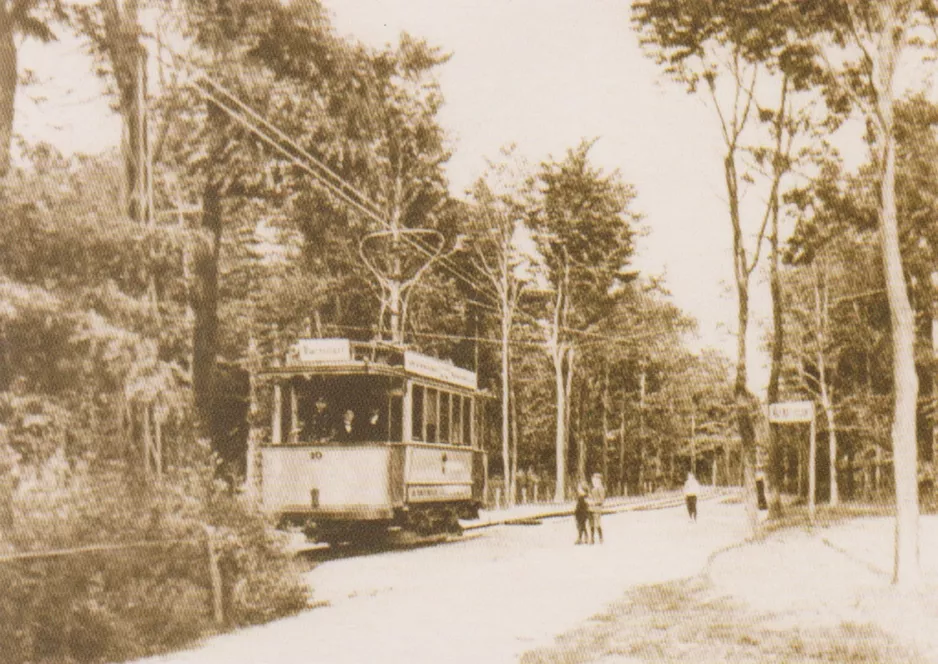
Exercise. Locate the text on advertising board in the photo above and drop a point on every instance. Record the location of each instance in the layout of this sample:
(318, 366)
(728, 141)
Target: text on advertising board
(320, 351)
(439, 492)
(430, 367)
(791, 411)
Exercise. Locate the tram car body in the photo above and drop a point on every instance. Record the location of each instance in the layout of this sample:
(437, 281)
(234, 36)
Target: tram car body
(367, 438)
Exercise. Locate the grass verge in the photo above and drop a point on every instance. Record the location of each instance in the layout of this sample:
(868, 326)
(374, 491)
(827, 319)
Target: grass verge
(688, 621)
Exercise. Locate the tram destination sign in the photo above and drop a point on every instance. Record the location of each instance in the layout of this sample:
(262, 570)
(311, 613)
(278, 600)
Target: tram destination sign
(791, 412)
(430, 367)
(321, 351)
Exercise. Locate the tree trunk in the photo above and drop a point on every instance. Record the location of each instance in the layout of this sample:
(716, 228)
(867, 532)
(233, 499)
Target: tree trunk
(506, 457)
(205, 305)
(822, 324)
(747, 436)
(8, 81)
(121, 44)
(623, 479)
(568, 390)
(605, 462)
(832, 452)
(776, 467)
(515, 434)
(560, 486)
(906, 571)
(641, 432)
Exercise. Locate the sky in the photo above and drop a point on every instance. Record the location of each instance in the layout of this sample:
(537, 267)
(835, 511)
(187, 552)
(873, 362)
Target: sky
(542, 74)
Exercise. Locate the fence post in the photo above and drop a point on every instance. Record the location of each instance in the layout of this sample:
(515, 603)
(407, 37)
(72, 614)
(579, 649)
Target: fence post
(215, 575)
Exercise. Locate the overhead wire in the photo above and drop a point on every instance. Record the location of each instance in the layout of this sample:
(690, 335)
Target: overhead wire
(342, 189)
(332, 188)
(335, 183)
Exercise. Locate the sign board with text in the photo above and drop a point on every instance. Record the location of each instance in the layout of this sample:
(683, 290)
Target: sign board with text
(791, 412)
(430, 367)
(321, 351)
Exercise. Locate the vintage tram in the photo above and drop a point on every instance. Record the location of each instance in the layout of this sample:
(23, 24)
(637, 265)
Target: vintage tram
(370, 438)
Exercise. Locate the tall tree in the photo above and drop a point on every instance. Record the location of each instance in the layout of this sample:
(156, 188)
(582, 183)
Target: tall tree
(584, 229)
(496, 256)
(872, 37)
(723, 49)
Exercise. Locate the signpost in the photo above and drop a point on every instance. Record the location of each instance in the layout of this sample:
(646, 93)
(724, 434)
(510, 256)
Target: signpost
(795, 412)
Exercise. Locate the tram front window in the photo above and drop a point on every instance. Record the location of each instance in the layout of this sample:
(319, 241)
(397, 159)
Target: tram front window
(339, 409)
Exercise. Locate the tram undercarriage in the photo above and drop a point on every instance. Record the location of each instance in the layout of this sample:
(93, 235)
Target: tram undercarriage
(423, 520)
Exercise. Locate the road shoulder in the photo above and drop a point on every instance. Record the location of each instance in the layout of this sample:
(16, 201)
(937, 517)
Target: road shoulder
(794, 596)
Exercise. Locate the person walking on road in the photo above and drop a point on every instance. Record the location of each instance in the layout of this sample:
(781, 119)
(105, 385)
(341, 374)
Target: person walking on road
(596, 499)
(691, 488)
(582, 514)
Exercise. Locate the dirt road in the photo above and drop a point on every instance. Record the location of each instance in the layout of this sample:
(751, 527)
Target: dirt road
(487, 598)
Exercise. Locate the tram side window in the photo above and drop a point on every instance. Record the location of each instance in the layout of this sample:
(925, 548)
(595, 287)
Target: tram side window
(431, 412)
(396, 422)
(457, 420)
(467, 421)
(418, 398)
(444, 417)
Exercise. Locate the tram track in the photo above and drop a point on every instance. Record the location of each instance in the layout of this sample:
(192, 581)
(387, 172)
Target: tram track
(661, 501)
(318, 553)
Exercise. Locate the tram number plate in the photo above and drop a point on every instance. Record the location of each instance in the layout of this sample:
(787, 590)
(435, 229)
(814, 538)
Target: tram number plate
(315, 455)
(440, 492)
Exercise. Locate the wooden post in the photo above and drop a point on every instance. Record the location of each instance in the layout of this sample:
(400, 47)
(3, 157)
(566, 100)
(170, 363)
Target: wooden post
(215, 575)
(812, 471)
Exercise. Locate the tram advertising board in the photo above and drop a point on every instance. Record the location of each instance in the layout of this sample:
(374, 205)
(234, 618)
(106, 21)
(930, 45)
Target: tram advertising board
(430, 367)
(321, 351)
(439, 492)
(791, 412)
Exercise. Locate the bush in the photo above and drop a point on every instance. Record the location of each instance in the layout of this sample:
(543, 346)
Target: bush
(110, 605)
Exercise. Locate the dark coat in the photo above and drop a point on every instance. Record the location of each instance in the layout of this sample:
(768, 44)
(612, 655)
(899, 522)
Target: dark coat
(582, 510)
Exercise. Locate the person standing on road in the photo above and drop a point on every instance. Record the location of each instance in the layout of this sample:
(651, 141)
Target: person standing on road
(582, 514)
(691, 488)
(596, 499)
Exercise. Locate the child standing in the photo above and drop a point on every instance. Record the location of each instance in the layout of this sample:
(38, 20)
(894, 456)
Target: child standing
(582, 514)
(597, 498)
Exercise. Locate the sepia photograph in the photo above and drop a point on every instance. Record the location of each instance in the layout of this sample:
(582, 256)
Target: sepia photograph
(470, 331)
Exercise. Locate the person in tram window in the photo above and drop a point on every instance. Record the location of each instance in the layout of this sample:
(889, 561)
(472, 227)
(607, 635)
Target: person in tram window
(374, 430)
(348, 431)
(320, 427)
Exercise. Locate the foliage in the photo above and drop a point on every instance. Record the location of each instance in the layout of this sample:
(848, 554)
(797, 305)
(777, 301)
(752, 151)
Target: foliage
(107, 605)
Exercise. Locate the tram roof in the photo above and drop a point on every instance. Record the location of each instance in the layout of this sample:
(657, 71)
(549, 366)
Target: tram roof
(342, 356)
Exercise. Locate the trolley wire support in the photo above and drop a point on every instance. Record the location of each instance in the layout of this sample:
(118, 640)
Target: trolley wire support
(385, 254)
